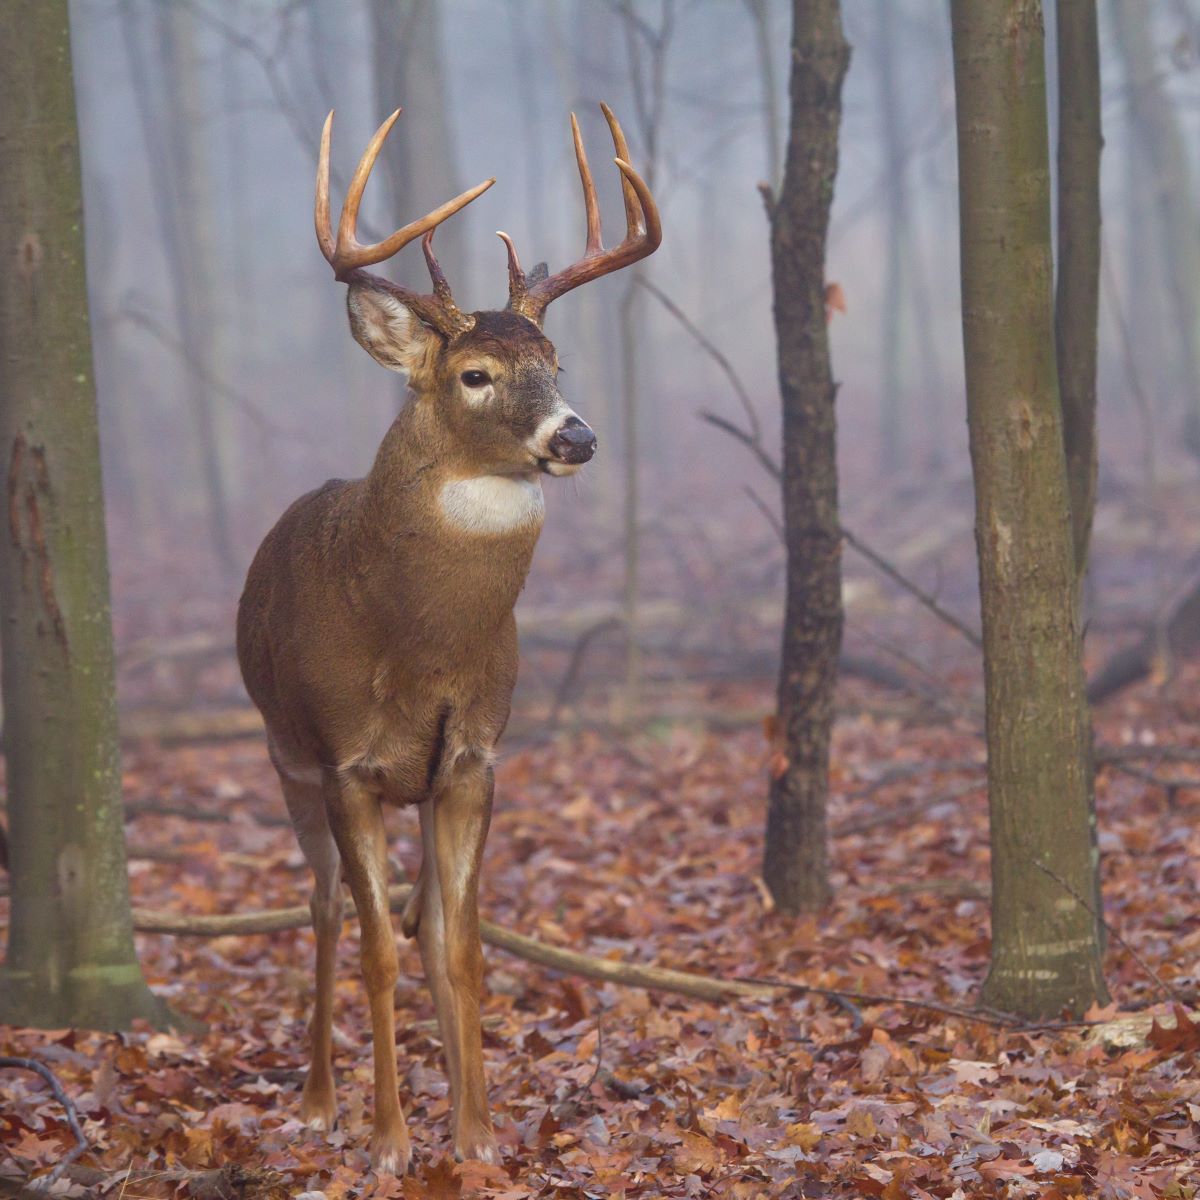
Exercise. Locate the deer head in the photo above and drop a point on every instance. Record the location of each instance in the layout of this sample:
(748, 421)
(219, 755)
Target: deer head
(493, 375)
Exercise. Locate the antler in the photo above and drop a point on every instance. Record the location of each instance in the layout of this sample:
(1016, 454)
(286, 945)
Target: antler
(348, 256)
(530, 294)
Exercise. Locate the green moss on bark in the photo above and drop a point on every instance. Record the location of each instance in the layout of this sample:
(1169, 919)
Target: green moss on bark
(70, 957)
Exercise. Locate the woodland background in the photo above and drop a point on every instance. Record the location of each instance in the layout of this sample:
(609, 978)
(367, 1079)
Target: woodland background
(631, 792)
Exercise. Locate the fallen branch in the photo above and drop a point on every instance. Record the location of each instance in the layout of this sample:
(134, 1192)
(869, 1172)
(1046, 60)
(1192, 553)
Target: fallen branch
(570, 962)
(81, 1143)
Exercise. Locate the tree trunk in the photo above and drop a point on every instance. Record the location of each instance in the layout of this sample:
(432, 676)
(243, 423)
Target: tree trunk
(169, 115)
(892, 426)
(1077, 299)
(407, 53)
(1045, 936)
(1169, 180)
(794, 857)
(70, 958)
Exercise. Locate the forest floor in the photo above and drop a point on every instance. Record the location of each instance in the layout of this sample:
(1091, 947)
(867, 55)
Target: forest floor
(647, 849)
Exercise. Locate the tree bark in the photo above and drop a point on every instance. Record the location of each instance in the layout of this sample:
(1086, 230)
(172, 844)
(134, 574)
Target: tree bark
(70, 957)
(1045, 934)
(1077, 298)
(794, 856)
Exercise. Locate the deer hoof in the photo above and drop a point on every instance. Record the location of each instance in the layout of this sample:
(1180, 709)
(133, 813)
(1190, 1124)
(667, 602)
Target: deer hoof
(482, 1147)
(391, 1152)
(318, 1108)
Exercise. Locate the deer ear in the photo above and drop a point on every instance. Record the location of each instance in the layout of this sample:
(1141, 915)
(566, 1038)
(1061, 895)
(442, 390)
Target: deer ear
(389, 331)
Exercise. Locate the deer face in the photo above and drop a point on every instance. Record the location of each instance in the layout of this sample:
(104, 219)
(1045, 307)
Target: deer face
(495, 386)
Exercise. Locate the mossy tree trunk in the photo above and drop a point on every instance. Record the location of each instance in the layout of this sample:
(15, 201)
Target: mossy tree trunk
(794, 857)
(1045, 933)
(70, 957)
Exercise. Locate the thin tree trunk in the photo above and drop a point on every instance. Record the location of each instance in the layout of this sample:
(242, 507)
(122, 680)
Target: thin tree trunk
(1077, 298)
(70, 957)
(794, 856)
(179, 184)
(419, 160)
(1045, 936)
(893, 447)
(1170, 182)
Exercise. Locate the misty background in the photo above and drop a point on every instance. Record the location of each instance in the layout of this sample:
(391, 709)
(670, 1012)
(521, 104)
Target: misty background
(228, 382)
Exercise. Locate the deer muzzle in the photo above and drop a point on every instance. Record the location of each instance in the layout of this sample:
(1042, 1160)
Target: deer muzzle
(573, 442)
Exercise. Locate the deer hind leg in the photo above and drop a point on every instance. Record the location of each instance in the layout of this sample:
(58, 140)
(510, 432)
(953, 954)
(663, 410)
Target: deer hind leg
(356, 819)
(454, 826)
(306, 805)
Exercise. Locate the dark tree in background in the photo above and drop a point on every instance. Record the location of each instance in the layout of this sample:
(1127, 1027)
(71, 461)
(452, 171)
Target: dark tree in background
(1045, 936)
(794, 857)
(70, 957)
(1077, 296)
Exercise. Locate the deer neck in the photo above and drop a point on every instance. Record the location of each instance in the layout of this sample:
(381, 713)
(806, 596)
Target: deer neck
(425, 483)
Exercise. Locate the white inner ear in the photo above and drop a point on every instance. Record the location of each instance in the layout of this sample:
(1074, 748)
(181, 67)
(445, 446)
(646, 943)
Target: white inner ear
(388, 331)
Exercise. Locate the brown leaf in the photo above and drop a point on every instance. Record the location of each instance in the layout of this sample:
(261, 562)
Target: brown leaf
(1185, 1035)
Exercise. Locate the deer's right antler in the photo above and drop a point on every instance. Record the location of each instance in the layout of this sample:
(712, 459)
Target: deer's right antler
(348, 256)
(531, 294)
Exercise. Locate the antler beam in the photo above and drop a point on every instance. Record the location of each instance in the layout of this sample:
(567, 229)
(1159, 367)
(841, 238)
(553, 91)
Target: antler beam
(348, 256)
(530, 296)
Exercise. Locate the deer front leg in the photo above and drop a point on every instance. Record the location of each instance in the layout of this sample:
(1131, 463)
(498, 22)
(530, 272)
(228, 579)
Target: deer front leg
(356, 819)
(454, 827)
(306, 805)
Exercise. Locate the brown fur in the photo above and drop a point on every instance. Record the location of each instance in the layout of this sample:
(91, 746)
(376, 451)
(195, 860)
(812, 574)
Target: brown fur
(378, 640)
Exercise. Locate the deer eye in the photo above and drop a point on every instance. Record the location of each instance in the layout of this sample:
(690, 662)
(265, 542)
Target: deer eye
(476, 378)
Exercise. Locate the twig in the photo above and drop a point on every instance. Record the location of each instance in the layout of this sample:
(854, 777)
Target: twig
(81, 1143)
(1112, 931)
(877, 560)
(903, 812)
(766, 510)
(852, 539)
(739, 434)
(711, 350)
(575, 664)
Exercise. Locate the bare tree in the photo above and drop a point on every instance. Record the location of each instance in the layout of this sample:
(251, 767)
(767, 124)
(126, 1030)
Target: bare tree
(1045, 929)
(646, 45)
(168, 109)
(794, 856)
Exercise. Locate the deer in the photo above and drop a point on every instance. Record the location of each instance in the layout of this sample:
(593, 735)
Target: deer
(376, 634)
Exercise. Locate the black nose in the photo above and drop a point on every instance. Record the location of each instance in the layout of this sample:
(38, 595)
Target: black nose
(574, 442)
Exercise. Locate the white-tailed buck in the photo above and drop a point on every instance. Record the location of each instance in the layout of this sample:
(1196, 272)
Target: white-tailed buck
(376, 630)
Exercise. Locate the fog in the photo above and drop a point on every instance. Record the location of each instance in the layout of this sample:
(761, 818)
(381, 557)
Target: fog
(228, 380)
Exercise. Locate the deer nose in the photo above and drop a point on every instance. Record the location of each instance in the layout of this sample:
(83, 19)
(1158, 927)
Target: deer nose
(573, 442)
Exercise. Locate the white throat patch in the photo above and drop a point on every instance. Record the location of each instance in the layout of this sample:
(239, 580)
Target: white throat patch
(492, 503)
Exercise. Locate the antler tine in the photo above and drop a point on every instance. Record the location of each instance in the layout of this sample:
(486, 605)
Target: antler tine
(643, 232)
(349, 253)
(590, 204)
(517, 287)
(633, 211)
(321, 213)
